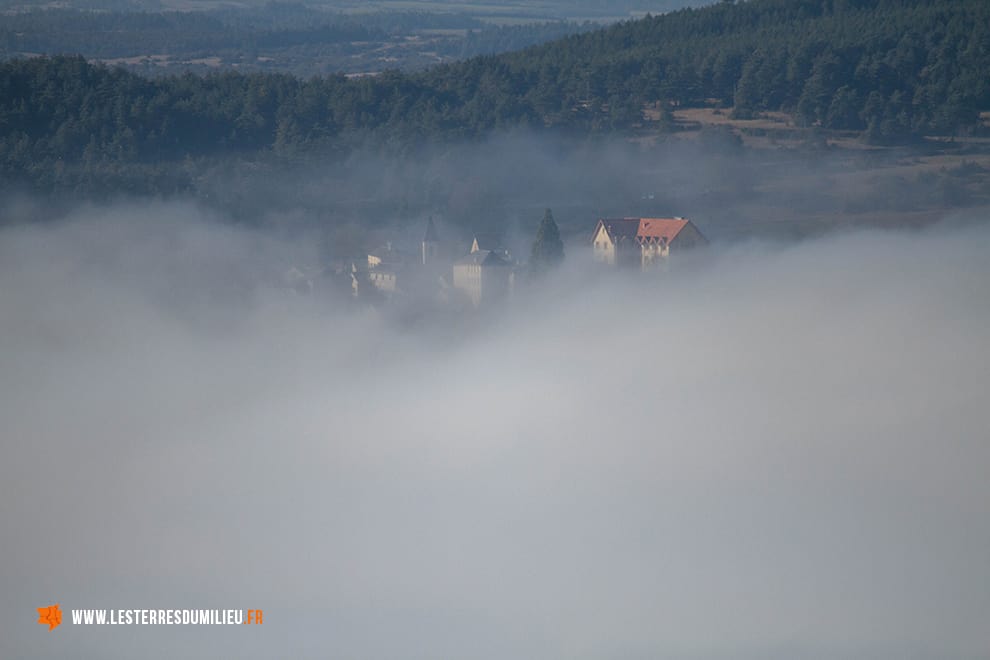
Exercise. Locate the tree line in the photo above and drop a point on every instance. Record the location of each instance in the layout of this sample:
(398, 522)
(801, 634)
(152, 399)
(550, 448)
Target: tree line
(893, 69)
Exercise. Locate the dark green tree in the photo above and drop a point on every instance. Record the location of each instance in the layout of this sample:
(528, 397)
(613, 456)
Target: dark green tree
(548, 249)
(900, 69)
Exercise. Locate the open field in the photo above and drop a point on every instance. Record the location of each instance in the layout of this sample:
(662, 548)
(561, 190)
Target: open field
(305, 40)
(787, 180)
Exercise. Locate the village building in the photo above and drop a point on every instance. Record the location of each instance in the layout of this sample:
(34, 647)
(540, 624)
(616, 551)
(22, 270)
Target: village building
(384, 279)
(642, 242)
(392, 271)
(385, 267)
(389, 272)
(483, 276)
(431, 244)
(484, 242)
(386, 255)
(487, 273)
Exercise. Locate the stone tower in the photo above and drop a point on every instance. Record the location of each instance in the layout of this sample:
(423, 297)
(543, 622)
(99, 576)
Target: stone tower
(431, 243)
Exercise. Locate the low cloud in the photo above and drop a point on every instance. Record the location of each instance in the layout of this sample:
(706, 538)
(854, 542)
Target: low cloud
(771, 451)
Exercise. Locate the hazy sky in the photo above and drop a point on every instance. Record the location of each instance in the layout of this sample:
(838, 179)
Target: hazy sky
(779, 451)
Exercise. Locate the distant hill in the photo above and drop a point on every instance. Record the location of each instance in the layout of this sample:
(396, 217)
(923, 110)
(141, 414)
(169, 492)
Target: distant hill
(893, 69)
(278, 37)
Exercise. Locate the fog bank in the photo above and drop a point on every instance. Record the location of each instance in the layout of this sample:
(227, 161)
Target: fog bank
(780, 452)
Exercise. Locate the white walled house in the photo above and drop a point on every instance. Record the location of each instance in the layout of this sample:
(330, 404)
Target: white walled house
(490, 243)
(483, 276)
(642, 242)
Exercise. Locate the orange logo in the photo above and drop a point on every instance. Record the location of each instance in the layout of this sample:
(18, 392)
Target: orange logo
(50, 616)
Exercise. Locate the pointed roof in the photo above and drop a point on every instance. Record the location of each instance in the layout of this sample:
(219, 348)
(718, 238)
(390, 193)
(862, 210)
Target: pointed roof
(620, 227)
(485, 240)
(431, 232)
(482, 258)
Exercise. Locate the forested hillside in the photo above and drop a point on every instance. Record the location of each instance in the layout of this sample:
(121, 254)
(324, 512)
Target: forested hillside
(894, 69)
(898, 68)
(277, 37)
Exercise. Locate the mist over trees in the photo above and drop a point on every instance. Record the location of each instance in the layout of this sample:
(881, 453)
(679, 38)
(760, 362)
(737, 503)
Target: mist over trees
(773, 448)
(892, 69)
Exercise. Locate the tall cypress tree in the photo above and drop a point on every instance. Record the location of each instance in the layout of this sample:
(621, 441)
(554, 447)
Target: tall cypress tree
(548, 249)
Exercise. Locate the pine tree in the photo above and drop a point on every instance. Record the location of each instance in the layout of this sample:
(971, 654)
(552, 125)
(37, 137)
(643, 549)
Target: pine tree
(548, 249)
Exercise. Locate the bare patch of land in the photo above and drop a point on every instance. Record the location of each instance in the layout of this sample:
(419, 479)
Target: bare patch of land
(793, 180)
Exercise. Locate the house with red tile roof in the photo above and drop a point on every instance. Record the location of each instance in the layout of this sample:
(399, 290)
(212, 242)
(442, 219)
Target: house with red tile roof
(642, 242)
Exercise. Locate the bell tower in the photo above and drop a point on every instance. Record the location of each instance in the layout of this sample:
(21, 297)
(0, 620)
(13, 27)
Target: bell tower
(431, 243)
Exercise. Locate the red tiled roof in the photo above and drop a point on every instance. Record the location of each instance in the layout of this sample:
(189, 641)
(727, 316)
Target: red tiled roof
(666, 228)
(644, 228)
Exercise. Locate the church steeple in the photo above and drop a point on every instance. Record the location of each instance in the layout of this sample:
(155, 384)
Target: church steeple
(431, 242)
